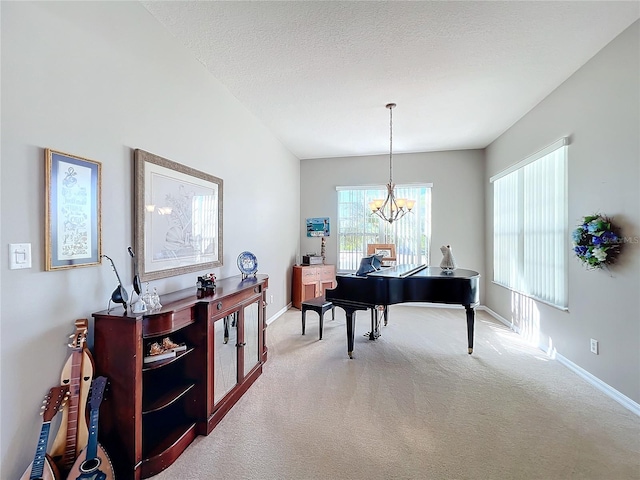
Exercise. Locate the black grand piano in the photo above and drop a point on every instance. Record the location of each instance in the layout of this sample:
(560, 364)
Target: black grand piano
(400, 284)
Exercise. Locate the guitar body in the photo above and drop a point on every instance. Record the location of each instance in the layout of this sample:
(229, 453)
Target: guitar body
(92, 469)
(93, 463)
(50, 471)
(74, 422)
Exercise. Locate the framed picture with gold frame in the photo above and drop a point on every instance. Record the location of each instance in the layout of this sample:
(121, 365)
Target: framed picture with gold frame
(72, 211)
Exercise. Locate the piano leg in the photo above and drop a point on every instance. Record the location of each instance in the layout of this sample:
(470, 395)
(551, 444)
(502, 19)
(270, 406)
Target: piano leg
(470, 326)
(375, 324)
(351, 327)
(350, 312)
(304, 314)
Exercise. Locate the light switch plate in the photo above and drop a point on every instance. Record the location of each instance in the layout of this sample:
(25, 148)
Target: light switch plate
(19, 255)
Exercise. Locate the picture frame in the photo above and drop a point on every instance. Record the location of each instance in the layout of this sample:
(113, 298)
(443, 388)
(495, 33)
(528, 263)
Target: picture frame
(318, 227)
(72, 211)
(177, 217)
(385, 250)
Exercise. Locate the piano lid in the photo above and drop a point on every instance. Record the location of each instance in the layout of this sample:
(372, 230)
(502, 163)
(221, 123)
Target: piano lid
(398, 271)
(421, 271)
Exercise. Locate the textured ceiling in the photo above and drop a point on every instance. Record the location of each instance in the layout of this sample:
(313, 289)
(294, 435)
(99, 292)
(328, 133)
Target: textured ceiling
(319, 74)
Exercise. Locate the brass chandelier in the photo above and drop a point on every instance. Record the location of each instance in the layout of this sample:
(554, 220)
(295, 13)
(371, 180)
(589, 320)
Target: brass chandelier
(391, 208)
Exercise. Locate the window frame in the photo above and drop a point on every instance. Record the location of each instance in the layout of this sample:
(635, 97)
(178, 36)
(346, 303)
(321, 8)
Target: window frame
(375, 230)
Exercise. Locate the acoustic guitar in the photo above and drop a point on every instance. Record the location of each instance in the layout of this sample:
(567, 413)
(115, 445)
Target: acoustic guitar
(93, 463)
(77, 374)
(43, 466)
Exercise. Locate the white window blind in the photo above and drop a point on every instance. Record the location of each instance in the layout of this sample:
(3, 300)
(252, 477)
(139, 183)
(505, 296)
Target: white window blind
(530, 226)
(357, 227)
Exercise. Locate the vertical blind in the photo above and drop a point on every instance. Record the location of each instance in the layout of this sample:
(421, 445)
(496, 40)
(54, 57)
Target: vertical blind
(530, 226)
(357, 227)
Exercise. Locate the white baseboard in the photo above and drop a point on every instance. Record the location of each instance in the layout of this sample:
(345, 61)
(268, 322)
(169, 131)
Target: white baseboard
(600, 385)
(278, 313)
(592, 379)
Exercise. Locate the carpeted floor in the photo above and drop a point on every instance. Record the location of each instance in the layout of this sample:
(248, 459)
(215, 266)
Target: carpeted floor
(414, 405)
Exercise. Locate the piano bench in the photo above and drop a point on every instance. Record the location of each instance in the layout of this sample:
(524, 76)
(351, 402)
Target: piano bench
(320, 305)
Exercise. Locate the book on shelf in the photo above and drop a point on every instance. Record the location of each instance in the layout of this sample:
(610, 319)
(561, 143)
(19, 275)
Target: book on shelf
(159, 356)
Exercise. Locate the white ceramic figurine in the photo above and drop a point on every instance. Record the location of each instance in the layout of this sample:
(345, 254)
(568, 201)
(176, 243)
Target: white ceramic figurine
(448, 263)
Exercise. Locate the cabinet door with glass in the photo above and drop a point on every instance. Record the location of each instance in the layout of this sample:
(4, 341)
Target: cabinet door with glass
(225, 356)
(251, 350)
(237, 339)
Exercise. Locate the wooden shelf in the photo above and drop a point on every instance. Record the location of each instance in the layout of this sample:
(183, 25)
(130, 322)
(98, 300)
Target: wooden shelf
(167, 361)
(160, 435)
(165, 446)
(165, 399)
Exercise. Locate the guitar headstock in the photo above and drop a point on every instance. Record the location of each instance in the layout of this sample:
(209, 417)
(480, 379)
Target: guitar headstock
(97, 390)
(54, 401)
(80, 336)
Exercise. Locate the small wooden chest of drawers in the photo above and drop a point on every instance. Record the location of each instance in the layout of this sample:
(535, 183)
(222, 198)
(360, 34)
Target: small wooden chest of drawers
(310, 281)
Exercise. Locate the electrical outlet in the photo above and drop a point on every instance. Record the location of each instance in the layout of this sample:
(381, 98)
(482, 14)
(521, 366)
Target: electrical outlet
(271, 299)
(594, 346)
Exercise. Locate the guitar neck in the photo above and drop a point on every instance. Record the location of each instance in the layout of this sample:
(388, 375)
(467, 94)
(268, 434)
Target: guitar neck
(70, 449)
(37, 469)
(92, 445)
(94, 464)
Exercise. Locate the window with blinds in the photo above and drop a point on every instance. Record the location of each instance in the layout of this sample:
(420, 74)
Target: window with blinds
(357, 227)
(530, 226)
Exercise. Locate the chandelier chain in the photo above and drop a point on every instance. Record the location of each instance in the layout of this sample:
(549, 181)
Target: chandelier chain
(390, 106)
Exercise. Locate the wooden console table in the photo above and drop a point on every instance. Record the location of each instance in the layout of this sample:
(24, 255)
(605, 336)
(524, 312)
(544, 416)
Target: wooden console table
(153, 411)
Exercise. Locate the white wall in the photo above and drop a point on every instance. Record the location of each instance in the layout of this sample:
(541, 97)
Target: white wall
(99, 79)
(599, 108)
(457, 197)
